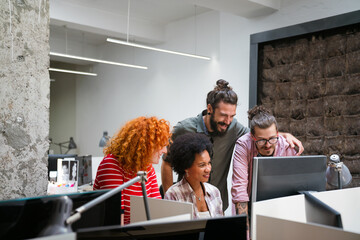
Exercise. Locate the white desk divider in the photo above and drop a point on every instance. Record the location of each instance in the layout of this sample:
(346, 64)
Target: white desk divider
(285, 218)
(270, 228)
(347, 202)
(159, 208)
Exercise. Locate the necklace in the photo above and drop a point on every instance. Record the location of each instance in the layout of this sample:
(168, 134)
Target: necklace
(198, 198)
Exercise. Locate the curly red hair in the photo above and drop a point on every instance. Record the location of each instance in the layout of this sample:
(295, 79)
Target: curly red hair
(136, 142)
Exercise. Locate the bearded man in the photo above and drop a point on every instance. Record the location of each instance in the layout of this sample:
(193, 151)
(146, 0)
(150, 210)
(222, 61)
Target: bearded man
(219, 124)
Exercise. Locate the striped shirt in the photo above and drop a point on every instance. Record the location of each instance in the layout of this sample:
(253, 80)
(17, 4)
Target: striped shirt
(111, 175)
(244, 152)
(183, 192)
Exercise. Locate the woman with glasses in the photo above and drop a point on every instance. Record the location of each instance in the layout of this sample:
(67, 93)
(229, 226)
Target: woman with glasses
(262, 141)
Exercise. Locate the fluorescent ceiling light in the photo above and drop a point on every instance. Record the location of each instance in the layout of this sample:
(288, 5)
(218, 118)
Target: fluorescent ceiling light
(155, 49)
(71, 71)
(96, 60)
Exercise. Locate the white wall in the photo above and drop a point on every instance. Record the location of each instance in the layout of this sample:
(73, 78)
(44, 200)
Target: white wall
(62, 109)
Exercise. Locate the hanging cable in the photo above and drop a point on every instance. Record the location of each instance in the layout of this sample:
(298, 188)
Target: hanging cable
(128, 22)
(195, 20)
(127, 43)
(82, 43)
(66, 43)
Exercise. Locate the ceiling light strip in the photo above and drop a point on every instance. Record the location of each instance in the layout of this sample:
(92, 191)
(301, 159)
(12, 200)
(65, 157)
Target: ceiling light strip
(72, 71)
(155, 49)
(96, 60)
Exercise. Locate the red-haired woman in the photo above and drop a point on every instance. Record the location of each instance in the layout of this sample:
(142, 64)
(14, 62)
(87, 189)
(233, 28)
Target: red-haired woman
(139, 144)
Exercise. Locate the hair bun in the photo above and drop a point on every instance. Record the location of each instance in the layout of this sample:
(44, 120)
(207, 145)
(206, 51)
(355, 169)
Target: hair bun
(221, 84)
(257, 110)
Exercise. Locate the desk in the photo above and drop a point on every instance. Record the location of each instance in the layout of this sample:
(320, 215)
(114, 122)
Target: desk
(233, 227)
(286, 217)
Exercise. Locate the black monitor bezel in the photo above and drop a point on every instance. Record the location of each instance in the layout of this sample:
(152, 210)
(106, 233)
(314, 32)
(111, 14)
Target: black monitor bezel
(259, 160)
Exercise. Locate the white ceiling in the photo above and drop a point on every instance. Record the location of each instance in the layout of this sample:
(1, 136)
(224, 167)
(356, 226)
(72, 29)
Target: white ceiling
(157, 11)
(92, 21)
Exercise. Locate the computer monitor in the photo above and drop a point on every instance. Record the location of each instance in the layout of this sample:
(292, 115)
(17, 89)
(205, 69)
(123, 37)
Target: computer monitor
(52, 161)
(85, 169)
(26, 218)
(230, 227)
(275, 177)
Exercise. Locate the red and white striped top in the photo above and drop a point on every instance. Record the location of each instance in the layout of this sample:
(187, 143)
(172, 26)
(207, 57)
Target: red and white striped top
(110, 175)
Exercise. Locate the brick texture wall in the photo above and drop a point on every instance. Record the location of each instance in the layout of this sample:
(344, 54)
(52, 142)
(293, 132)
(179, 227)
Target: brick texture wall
(312, 85)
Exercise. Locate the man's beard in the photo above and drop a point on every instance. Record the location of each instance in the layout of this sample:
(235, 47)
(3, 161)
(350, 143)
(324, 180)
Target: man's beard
(263, 148)
(214, 126)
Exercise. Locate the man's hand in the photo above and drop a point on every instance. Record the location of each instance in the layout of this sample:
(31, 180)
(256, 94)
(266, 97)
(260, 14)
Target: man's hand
(242, 208)
(166, 175)
(293, 141)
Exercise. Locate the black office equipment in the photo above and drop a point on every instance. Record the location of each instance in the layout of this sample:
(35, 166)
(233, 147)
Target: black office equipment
(232, 227)
(28, 217)
(275, 177)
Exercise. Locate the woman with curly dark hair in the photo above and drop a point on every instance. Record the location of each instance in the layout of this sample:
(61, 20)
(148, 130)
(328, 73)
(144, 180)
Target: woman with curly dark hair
(190, 156)
(139, 144)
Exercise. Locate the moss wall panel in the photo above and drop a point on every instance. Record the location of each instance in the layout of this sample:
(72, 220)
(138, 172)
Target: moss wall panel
(312, 85)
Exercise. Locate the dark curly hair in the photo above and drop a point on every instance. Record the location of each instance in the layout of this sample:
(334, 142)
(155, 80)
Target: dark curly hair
(222, 92)
(261, 117)
(185, 147)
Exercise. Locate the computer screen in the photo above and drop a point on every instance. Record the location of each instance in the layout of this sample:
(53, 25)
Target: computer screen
(52, 161)
(275, 177)
(85, 169)
(27, 217)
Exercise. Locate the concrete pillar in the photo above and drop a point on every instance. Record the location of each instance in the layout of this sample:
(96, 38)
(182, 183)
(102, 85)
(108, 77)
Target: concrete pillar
(24, 97)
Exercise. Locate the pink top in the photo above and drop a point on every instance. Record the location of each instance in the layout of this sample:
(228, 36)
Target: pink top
(245, 151)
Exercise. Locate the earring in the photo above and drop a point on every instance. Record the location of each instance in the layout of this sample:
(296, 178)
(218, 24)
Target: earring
(187, 173)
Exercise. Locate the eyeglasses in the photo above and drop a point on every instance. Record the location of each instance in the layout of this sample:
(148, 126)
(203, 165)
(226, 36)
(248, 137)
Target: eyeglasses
(263, 142)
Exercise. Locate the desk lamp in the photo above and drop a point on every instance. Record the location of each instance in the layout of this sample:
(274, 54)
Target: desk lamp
(337, 174)
(71, 145)
(104, 139)
(62, 218)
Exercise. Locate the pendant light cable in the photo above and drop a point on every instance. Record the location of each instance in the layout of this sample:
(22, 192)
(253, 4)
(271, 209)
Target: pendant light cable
(195, 20)
(128, 22)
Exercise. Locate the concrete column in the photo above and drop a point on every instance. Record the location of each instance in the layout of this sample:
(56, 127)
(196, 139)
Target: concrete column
(24, 97)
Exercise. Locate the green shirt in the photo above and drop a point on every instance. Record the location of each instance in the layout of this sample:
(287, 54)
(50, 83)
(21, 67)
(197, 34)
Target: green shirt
(223, 147)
